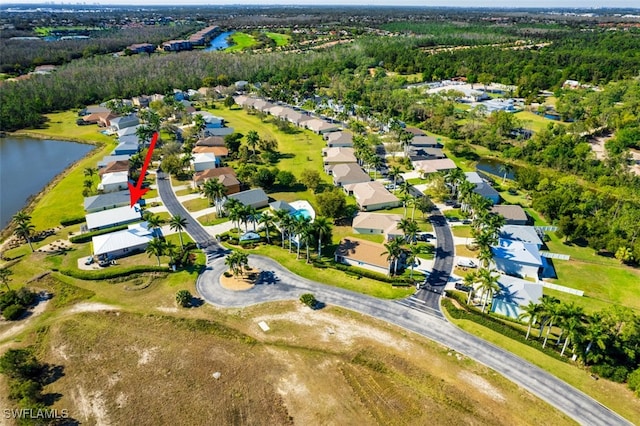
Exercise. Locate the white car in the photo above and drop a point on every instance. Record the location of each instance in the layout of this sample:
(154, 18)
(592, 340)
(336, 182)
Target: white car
(466, 263)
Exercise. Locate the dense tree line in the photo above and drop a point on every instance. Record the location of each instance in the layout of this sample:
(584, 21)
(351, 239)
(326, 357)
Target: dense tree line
(19, 56)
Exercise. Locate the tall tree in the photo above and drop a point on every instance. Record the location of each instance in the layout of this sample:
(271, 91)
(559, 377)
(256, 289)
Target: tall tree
(488, 285)
(25, 230)
(252, 140)
(178, 223)
(322, 227)
(5, 277)
(156, 247)
(530, 312)
(267, 222)
(393, 249)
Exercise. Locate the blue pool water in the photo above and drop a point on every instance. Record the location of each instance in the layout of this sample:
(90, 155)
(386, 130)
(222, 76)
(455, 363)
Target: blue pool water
(301, 213)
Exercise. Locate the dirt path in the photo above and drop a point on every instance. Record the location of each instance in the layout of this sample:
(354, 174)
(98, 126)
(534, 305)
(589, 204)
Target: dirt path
(17, 328)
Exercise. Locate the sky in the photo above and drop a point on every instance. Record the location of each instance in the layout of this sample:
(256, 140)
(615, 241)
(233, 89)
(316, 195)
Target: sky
(439, 3)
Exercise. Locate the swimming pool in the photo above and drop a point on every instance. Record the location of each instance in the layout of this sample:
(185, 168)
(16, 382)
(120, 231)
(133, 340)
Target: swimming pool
(304, 213)
(302, 209)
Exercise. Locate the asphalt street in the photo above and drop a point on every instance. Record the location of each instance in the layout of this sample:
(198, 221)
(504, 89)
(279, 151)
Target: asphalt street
(278, 283)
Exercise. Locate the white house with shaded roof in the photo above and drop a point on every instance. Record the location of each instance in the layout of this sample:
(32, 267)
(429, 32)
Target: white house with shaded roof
(122, 243)
(113, 217)
(107, 201)
(517, 258)
(203, 161)
(372, 196)
(347, 173)
(111, 182)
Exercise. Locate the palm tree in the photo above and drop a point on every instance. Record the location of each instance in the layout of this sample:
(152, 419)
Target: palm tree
(413, 258)
(505, 168)
(178, 223)
(289, 224)
(595, 333)
(547, 310)
(199, 124)
(252, 140)
(244, 216)
(322, 227)
(573, 327)
(252, 215)
(25, 230)
(281, 216)
(21, 217)
(170, 250)
(232, 262)
(242, 261)
(234, 215)
(300, 227)
(215, 191)
(531, 311)
(154, 222)
(410, 229)
(89, 172)
(488, 285)
(156, 247)
(469, 281)
(394, 172)
(393, 248)
(267, 221)
(5, 274)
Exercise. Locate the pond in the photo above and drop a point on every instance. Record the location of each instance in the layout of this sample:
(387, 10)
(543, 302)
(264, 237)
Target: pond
(493, 167)
(27, 165)
(220, 42)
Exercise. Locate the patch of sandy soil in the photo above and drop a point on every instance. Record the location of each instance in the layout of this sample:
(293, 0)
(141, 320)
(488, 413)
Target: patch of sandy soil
(237, 283)
(22, 324)
(145, 355)
(91, 307)
(347, 332)
(481, 385)
(91, 405)
(167, 309)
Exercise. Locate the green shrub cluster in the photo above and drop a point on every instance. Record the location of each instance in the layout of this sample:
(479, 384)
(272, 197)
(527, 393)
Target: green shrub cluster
(349, 270)
(496, 325)
(183, 298)
(26, 377)
(72, 221)
(86, 237)
(14, 303)
(104, 274)
(309, 300)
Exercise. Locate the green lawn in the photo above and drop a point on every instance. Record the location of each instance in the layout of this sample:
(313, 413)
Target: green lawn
(280, 39)
(241, 41)
(533, 121)
(300, 151)
(463, 231)
(333, 276)
(196, 204)
(62, 125)
(185, 191)
(462, 250)
(211, 219)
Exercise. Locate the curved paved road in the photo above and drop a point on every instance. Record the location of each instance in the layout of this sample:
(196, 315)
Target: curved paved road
(278, 283)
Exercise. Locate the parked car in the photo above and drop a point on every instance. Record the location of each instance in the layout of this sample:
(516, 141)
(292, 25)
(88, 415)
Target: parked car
(452, 219)
(467, 221)
(462, 287)
(89, 260)
(466, 263)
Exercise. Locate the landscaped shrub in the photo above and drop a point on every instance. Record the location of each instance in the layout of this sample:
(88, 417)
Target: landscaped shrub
(112, 273)
(86, 237)
(497, 326)
(617, 373)
(349, 270)
(309, 300)
(13, 312)
(183, 298)
(72, 221)
(633, 381)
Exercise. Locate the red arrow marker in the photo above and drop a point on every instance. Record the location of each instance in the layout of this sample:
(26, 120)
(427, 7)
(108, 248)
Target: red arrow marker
(136, 192)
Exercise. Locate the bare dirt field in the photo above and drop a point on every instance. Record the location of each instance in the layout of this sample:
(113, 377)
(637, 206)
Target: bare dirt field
(327, 366)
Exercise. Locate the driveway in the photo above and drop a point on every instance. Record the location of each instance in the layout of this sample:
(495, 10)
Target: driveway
(279, 283)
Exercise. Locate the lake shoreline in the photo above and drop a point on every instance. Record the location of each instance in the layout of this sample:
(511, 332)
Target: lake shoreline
(33, 199)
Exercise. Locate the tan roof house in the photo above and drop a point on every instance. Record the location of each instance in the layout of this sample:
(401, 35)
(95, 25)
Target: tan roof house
(218, 151)
(320, 126)
(513, 214)
(377, 224)
(372, 196)
(348, 173)
(342, 139)
(338, 155)
(115, 166)
(226, 175)
(211, 141)
(433, 166)
(362, 254)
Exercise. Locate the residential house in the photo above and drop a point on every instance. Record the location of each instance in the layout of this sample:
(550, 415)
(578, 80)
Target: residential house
(363, 254)
(434, 166)
(211, 121)
(343, 139)
(524, 234)
(114, 166)
(514, 294)
(218, 131)
(372, 196)
(507, 105)
(347, 173)
(113, 217)
(262, 105)
(112, 182)
(111, 158)
(377, 224)
(424, 141)
(106, 201)
(320, 126)
(226, 175)
(127, 131)
(253, 197)
(101, 118)
(176, 45)
(92, 109)
(425, 153)
(281, 205)
(122, 243)
(332, 156)
(141, 48)
(277, 111)
(120, 123)
(204, 161)
(487, 191)
(211, 141)
(415, 131)
(126, 148)
(517, 258)
(219, 151)
(513, 214)
(474, 177)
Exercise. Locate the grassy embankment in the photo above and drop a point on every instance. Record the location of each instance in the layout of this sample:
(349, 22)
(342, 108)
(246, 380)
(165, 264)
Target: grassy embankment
(279, 39)
(240, 42)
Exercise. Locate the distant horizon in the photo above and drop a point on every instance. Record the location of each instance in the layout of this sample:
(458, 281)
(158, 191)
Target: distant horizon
(479, 4)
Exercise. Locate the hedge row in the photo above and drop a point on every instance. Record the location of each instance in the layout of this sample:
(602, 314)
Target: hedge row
(86, 237)
(107, 273)
(368, 274)
(497, 326)
(72, 221)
